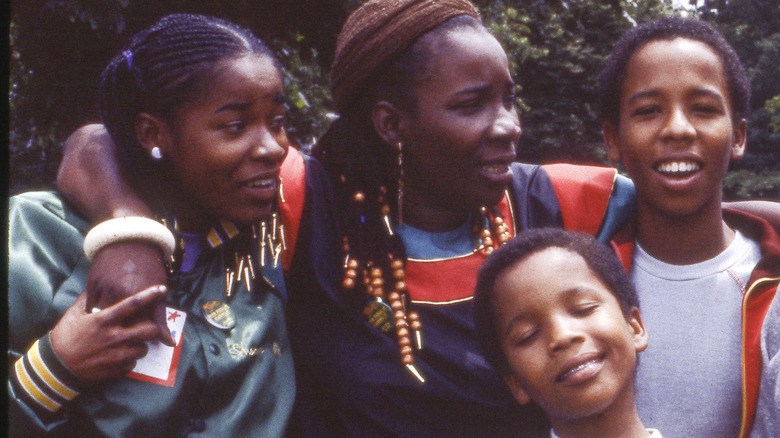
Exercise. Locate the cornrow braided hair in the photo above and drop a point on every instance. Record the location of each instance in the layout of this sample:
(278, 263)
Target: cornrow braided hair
(160, 68)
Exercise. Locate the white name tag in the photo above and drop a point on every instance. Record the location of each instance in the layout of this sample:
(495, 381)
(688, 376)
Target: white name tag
(160, 363)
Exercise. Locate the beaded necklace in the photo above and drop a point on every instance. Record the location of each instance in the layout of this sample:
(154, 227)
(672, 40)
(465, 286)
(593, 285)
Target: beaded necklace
(388, 307)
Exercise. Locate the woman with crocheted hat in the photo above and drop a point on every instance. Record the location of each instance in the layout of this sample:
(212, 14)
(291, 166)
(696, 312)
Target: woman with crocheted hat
(421, 163)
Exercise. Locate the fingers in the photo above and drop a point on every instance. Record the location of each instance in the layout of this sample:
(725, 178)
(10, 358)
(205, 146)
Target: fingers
(91, 298)
(158, 317)
(81, 305)
(117, 362)
(135, 303)
(138, 334)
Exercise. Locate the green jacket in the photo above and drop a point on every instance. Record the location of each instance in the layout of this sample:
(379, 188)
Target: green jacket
(237, 382)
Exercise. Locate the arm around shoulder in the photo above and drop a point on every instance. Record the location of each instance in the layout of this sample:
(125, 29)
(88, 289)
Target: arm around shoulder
(768, 210)
(91, 179)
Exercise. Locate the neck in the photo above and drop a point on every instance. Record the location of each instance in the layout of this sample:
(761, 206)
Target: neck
(429, 216)
(683, 240)
(189, 217)
(618, 420)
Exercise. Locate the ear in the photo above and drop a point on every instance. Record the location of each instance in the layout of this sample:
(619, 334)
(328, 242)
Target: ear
(638, 332)
(388, 122)
(611, 142)
(517, 389)
(151, 131)
(740, 140)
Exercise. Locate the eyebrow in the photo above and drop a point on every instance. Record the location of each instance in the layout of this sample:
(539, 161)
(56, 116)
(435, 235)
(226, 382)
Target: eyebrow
(482, 87)
(475, 89)
(570, 293)
(243, 106)
(696, 92)
(233, 106)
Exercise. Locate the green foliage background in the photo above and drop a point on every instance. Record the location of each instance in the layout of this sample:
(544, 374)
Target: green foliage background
(556, 48)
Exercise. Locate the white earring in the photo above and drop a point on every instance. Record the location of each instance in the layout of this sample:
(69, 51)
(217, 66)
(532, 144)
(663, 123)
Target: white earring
(156, 153)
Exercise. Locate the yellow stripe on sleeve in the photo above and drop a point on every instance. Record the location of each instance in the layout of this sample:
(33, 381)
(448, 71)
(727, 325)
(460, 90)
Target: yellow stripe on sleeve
(32, 390)
(47, 376)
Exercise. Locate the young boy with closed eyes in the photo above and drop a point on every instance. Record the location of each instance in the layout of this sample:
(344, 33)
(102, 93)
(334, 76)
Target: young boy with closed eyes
(558, 318)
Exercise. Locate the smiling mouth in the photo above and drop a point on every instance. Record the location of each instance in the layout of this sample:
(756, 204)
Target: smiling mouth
(259, 183)
(495, 168)
(579, 367)
(677, 169)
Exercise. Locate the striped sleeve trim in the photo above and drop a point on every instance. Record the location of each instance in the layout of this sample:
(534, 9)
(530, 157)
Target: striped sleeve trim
(43, 378)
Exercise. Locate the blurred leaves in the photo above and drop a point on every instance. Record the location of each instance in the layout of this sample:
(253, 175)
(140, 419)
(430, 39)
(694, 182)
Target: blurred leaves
(556, 49)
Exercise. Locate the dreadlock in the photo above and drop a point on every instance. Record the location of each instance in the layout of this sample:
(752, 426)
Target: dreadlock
(365, 170)
(358, 161)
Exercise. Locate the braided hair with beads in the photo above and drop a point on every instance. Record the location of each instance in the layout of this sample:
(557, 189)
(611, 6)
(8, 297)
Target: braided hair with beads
(367, 172)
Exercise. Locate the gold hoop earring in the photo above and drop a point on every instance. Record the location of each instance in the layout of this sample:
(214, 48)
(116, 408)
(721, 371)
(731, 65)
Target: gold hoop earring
(400, 200)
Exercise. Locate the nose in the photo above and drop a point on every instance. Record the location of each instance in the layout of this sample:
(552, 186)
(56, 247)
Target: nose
(563, 333)
(678, 125)
(506, 126)
(269, 146)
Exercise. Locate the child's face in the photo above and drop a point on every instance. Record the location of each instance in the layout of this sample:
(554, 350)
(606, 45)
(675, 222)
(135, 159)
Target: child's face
(568, 344)
(677, 131)
(227, 146)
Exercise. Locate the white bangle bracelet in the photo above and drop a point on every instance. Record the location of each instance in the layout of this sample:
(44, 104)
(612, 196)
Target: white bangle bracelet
(129, 228)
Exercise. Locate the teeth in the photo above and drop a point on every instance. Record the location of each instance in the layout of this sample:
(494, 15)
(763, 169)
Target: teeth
(496, 168)
(262, 182)
(678, 167)
(578, 368)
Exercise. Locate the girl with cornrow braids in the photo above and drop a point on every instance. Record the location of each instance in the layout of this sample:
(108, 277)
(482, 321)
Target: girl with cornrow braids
(416, 186)
(194, 105)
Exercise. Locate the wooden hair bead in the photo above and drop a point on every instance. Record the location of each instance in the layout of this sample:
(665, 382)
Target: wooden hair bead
(414, 321)
(404, 341)
(407, 359)
(359, 197)
(406, 349)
